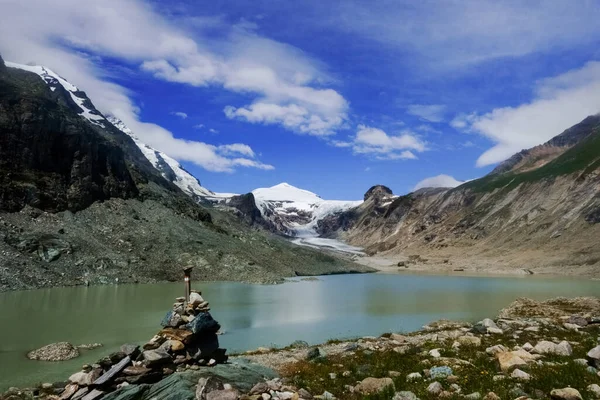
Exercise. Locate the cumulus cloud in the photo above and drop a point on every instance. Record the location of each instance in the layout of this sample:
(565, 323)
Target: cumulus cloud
(559, 102)
(431, 112)
(439, 181)
(73, 36)
(376, 142)
(180, 114)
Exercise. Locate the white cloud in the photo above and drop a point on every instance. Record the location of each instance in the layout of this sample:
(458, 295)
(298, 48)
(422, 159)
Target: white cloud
(559, 103)
(72, 37)
(439, 181)
(441, 34)
(198, 126)
(377, 142)
(431, 112)
(212, 130)
(180, 114)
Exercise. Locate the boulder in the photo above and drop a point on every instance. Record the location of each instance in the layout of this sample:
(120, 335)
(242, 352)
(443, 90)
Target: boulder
(206, 386)
(54, 352)
(565, 394)
(82, 378)
(374, 385)
(544, 347)
(203, 323)
(435, 388)
(405, 395)
(196, 298)
(415, 376)
(594, 390)
(520, 375)
(487, 326)
(508, 360)
(563, 349)
(594, 356)
(132, 350)
(183, 335)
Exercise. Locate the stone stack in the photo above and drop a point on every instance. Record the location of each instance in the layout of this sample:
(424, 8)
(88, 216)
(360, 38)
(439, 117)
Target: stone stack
(188, 341)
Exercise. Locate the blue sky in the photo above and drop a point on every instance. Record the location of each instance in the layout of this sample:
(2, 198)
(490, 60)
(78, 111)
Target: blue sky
(333, 97)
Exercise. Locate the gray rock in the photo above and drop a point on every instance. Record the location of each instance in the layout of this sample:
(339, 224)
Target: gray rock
(581, 361)
(132, 350)
(155, 357)
(565, 394)
(299, 344)
(520, 375)
(405, 395)
(435, 388)
(473, 396)
(594, 356)
(493, 350)
(563, 349)
(203, 323)
(545, 347)
(594, 390)
(577, 320)
(196, 298)
(313, 353)
(415, 376)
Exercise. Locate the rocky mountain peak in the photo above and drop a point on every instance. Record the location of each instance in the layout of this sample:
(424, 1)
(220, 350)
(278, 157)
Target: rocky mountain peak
(378, 191)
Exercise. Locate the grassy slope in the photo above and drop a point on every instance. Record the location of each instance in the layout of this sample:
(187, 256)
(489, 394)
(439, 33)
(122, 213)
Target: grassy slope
(584, 157)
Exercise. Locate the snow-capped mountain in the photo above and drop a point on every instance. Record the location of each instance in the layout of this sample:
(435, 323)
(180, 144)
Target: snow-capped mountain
(52, 79)
(283, 208)
(296, 211)
(170, 169)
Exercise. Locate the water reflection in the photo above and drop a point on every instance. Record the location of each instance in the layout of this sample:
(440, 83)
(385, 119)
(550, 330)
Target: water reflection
(251, 315)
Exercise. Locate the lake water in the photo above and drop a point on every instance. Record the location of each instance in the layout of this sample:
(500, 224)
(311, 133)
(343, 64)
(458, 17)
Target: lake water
(341, 306)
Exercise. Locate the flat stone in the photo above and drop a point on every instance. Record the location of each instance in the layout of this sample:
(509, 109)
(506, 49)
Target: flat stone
(374, 385)
(93, 395)
(577, 320)
(136, 370)
(223, 395)
(69, 391)
(61, 351)
(154, 357)
(132, 350)
(183, 335)
(571, 327)
(113, 371)
(544, 347)
(565, 394)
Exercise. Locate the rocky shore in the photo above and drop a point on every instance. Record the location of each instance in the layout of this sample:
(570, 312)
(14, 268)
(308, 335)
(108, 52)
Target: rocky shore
(531, 350)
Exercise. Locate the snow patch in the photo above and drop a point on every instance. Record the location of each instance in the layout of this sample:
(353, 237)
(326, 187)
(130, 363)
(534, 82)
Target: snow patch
(52, 79)
(183, 179)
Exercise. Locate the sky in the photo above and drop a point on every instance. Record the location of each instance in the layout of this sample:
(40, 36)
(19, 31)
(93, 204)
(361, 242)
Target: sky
(333, 97)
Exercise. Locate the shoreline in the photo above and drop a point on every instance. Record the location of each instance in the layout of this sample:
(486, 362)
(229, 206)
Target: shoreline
(533, 348)
(468, 267)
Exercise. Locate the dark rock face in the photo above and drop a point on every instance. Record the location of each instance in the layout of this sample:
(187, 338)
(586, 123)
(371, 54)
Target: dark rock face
(54, 160)
(2, 65)
(378, 191)
(246, 204)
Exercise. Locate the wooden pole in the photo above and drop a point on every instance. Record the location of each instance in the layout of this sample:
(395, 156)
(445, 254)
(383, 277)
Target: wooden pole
(187, 278)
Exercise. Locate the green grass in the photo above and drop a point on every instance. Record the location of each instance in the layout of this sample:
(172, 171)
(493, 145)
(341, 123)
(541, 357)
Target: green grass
(478, 376)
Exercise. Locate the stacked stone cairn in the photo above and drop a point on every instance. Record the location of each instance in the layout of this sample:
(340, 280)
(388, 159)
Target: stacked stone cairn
(188, 340)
